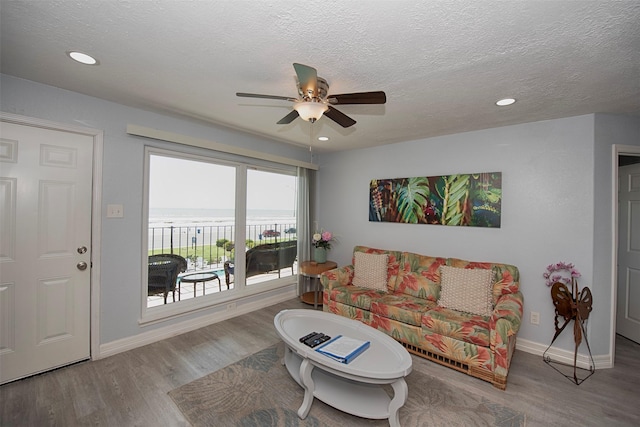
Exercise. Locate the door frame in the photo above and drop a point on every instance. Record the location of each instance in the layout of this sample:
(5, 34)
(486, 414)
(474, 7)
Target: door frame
(96, 213)
(617, 151)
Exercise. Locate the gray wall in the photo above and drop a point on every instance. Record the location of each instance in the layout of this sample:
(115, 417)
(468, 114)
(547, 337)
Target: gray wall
(556, 206)
(556, 198)
(121, 246)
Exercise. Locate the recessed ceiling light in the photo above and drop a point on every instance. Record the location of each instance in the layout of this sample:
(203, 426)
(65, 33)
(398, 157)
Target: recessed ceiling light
(323, 138)
(82, 58)
(504, 102)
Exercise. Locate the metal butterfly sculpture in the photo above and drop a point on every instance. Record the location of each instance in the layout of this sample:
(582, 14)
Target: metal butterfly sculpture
(571, 305)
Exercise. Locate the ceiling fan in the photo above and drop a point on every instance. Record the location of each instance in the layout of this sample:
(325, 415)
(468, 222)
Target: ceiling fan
(313, 101)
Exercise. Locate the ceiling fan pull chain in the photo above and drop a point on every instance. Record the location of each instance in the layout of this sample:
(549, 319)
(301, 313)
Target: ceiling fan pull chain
(310, 133)
(310, 142)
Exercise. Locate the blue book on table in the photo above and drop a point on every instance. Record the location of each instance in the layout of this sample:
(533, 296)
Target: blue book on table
(343, 349)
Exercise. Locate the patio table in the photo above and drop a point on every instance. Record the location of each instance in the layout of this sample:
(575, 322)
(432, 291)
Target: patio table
(196, 278)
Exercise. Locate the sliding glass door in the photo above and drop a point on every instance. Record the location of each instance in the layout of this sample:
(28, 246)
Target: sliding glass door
(216, 229)
(271, 226)
(191, 215)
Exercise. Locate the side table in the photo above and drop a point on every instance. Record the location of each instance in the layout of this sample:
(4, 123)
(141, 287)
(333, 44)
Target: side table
(312, 270)
(196, 278)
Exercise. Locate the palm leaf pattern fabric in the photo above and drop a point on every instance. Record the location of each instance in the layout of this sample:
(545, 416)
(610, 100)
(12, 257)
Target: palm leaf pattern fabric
(408, 311)
(456, 200)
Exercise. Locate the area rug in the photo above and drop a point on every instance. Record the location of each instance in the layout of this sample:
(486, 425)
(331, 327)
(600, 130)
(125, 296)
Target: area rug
(258, 391)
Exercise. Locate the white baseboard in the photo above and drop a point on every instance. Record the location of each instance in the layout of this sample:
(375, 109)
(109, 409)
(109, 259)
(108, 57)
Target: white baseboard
(564, 356)
(144, 338)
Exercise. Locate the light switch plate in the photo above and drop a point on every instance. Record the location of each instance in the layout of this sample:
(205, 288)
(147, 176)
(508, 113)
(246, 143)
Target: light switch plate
(115, 211)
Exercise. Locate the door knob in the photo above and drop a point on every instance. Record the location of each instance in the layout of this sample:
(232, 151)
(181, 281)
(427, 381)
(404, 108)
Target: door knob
(82, 250)
(82, 265)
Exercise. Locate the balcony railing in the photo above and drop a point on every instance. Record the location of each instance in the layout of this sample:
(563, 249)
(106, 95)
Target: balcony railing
(207, 247)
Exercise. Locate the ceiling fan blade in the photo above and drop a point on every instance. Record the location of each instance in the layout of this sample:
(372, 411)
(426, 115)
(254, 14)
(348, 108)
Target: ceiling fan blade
(339, 117)
(378, 97)
(289, 118)
(257, 95)
(308, 79)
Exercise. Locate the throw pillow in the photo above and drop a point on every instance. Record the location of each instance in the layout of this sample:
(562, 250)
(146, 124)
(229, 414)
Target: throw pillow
(370, 271)
(467, 289)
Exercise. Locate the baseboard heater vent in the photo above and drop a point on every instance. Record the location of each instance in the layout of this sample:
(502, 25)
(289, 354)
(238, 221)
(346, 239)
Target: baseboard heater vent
(438, 358)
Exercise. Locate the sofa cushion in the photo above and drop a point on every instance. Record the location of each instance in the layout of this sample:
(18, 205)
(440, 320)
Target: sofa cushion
(506, 277)
(399, 331)
(401, 307)
(461, 352)
(355, 296)
(468, 290)
(393, 263)
(466, 327)
(419, 276)
(370, 270)
(349, 311)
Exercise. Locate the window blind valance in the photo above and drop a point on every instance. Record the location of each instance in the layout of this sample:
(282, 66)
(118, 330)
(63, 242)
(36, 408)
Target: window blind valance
(211, 145)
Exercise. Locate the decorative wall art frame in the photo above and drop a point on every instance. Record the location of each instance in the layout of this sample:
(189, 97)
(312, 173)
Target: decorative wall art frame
(464, 200)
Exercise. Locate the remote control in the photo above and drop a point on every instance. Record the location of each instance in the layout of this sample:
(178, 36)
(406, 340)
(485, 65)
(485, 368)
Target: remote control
(317, 340)
(309, 341)
(324, 338)
(306, 337)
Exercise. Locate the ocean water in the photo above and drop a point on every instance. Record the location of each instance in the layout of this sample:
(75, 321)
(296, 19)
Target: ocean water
(179, 217)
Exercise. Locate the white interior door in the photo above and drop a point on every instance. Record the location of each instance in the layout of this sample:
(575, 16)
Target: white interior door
(628, 299)
(45, 243)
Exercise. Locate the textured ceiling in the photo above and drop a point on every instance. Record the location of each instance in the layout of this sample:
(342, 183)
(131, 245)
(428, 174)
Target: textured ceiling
(441, 64)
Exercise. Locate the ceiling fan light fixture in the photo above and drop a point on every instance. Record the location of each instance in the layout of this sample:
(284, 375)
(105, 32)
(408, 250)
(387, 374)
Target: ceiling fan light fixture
(309, 110)
(313, 103)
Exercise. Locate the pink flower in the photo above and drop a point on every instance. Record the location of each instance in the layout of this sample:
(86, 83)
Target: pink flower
(322, 239)
(563, 268)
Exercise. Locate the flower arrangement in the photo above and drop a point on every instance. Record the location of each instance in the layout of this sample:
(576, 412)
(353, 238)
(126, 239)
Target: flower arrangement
(561, 272)
(322, 239)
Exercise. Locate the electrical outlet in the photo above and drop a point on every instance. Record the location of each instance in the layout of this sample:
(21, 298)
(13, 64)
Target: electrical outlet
(534, 318)
(231, 306)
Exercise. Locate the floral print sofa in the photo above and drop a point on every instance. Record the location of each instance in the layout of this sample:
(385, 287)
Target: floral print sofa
(408, 310)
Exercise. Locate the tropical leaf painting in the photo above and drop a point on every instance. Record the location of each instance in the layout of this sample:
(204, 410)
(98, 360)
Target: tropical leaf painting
(464, 200)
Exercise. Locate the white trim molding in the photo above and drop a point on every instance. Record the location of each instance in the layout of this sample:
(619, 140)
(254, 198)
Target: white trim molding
(563, 356)
(96, 210)
(145, 338)
(617, 150)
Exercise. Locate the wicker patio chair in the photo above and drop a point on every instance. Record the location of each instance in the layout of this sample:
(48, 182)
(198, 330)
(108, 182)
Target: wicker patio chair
(266, 258)
(163, 274)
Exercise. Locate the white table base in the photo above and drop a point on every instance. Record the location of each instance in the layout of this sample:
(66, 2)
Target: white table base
(359, 387)
(357, 396)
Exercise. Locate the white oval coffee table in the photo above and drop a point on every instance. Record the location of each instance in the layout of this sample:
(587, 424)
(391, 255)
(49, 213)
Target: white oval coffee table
(355, 387)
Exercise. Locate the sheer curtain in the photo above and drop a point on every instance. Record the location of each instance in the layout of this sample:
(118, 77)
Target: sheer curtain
(304, 218)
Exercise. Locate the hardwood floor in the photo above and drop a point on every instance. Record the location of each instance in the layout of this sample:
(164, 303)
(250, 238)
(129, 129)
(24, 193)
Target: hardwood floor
(130, 389)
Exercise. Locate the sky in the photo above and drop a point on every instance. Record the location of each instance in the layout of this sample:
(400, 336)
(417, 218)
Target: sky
(195, 184)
